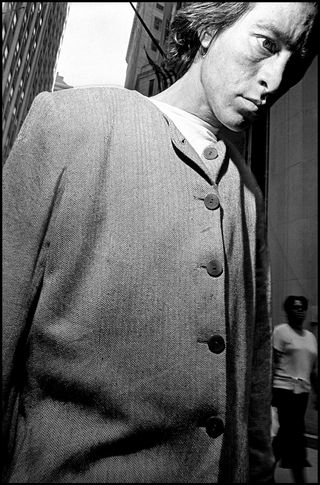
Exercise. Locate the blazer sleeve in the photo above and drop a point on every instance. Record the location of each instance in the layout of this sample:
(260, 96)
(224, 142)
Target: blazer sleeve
(261, 457)
(32, 177)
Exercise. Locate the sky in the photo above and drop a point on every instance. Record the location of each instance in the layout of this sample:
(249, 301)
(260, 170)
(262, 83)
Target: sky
(95, 43)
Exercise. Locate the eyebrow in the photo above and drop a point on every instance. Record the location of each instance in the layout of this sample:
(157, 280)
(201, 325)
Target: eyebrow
(280, 35)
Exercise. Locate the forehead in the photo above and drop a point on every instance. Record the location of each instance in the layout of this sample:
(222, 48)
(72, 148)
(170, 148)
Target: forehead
(286, 20)
(297, 302)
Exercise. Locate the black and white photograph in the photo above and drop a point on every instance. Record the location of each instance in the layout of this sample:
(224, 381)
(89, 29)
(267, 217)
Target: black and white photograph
(160, 242)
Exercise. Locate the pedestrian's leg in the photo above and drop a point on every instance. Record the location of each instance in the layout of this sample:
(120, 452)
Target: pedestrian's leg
(298, 474)
(300, 452)
(283, 441)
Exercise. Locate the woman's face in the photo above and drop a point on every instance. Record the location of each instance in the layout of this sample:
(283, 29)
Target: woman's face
(297, 312)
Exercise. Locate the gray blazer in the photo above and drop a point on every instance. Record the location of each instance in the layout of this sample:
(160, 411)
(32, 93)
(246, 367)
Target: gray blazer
(136, 323)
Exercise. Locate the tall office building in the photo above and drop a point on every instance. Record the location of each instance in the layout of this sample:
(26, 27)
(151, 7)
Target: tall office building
(144, 71)
(31, 39)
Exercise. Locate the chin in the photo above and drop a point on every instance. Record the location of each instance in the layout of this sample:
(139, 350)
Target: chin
(236, 123)
(237, 127)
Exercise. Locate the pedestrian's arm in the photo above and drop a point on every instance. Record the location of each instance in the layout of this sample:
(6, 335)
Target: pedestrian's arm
(276, 358)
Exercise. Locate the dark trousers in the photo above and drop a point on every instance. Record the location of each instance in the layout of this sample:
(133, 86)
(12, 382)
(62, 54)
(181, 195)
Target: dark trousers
(289, 445)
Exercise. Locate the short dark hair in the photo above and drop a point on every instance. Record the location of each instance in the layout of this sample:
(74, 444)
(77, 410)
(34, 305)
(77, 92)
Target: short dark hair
(288, 302)
(191, 20)
(196, 17)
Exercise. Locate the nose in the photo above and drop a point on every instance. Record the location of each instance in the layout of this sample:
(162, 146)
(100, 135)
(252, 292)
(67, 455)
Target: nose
(271, 73)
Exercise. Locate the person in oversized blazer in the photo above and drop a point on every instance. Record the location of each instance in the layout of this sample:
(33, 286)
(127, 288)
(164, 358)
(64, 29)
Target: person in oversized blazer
(136, 329)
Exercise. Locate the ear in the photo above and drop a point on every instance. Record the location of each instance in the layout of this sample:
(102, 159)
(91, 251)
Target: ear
(205, 39)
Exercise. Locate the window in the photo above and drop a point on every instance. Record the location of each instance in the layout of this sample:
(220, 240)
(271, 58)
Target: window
(14, 20)
(157, 23)
(17, 46)
(9, 76)
(3, 32)
(6, 52)
(167, 29)
(151, 84)
(22, 95)
(159, 6)
(19, 62)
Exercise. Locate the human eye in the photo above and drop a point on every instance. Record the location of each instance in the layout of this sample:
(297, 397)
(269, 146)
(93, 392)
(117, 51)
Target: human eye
(268, 45)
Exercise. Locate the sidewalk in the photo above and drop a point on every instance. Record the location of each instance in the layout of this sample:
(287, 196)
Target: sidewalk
(282, 475)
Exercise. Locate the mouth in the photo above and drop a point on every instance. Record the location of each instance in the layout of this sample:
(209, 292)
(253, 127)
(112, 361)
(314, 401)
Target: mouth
(255, 104)
(249, 110)
(299, 316)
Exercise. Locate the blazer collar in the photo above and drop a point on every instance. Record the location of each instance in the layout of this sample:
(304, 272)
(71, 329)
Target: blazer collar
(182, 145)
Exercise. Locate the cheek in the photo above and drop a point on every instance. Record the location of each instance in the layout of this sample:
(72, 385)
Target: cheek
(216, 76)
(232, 71)
(236, 62)
(242, 69)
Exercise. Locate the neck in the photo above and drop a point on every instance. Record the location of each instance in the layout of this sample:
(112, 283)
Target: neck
(187, 94)
(297, 326)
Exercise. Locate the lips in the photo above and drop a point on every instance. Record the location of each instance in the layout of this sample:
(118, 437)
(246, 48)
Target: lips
(256, 102)
(249, 109)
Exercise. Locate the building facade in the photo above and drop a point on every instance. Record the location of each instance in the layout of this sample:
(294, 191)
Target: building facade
(31, 39)
(60, 83)
(143, 57)
(292, 199)
(281, 150)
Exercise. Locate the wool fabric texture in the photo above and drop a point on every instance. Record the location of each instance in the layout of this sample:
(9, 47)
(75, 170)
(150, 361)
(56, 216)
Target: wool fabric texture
(109, 307)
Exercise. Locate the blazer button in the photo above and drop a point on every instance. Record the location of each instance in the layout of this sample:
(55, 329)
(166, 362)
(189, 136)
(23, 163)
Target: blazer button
(210, 153)
(214, 268)
(216, 344)
(211, 202)
(214, 427)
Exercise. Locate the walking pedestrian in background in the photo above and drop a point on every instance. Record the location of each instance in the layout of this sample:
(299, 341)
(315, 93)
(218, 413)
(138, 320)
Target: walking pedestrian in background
(295, 354)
